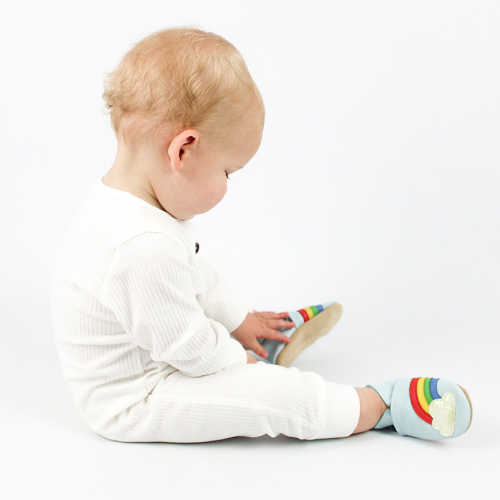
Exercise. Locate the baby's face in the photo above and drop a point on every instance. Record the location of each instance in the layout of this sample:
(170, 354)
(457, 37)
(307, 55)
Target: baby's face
(197, 177)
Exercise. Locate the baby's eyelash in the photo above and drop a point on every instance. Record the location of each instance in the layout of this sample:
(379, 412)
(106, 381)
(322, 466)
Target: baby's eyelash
(227, 174)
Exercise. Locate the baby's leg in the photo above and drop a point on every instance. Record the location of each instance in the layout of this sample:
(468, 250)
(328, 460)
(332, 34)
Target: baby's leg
(372, 408)
(245, 400)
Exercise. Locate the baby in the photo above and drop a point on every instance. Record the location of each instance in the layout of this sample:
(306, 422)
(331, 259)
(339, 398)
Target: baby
(151, 339)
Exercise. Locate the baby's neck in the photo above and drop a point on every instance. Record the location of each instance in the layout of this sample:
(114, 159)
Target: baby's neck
(116, 182)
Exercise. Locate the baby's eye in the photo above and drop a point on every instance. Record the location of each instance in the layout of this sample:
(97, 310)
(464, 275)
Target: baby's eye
(227, 174)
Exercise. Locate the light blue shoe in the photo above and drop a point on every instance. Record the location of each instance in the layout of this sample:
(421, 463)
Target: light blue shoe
(426, 408)
(311, 323)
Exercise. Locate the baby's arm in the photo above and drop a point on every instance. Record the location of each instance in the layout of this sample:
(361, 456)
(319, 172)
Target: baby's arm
(149, 286)
(244, 324)
(218, 301)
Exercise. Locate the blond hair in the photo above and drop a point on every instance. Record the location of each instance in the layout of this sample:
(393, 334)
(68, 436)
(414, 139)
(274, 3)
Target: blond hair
(179, 78)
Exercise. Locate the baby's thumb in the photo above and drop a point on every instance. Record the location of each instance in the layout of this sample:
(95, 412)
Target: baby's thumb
(250, 358)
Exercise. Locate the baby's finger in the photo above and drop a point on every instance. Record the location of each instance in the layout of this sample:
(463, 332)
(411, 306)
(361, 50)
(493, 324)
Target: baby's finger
(275, 335)
(258, 349)
(267, 314)
(281, 324)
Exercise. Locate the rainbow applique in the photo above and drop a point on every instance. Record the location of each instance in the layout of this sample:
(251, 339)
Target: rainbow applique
(309, 312)
(431, 407)
(300, 316)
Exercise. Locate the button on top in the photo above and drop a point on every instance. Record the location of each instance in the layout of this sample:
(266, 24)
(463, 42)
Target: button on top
(197, 247)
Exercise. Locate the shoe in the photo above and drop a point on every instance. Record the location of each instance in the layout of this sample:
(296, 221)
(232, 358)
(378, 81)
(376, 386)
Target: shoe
(311, 323)
(425, 408)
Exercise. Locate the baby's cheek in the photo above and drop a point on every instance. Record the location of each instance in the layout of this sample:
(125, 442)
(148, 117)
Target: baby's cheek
(221, 192)
(215, 196)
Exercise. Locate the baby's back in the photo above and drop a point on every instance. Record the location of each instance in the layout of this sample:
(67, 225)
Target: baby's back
(103, 366)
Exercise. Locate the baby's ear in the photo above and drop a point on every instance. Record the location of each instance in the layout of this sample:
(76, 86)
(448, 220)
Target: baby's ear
(179, 146)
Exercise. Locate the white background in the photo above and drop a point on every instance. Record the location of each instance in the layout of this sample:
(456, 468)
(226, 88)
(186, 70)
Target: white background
(376, 185)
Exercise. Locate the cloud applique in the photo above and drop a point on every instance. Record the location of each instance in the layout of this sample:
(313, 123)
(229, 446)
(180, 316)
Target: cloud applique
(443, 413)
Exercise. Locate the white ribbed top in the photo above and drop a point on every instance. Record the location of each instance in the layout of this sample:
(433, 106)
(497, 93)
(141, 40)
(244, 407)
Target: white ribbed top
(132, 302)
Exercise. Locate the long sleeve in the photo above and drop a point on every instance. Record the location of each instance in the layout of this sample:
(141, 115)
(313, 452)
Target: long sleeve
(218, 301)
(149, 286)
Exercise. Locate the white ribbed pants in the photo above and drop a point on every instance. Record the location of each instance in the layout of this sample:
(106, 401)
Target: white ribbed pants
(241, 400)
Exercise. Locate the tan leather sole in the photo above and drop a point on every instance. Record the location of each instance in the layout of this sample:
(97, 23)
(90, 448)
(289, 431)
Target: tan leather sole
(308, 333)
(470, 403)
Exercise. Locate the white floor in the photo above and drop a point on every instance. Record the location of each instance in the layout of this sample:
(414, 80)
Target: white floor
(48, 451)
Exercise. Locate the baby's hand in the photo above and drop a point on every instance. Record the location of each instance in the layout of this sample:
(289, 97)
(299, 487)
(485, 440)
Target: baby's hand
(262, 325)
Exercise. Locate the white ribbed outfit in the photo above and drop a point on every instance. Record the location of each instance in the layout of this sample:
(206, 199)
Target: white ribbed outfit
(142, 324)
